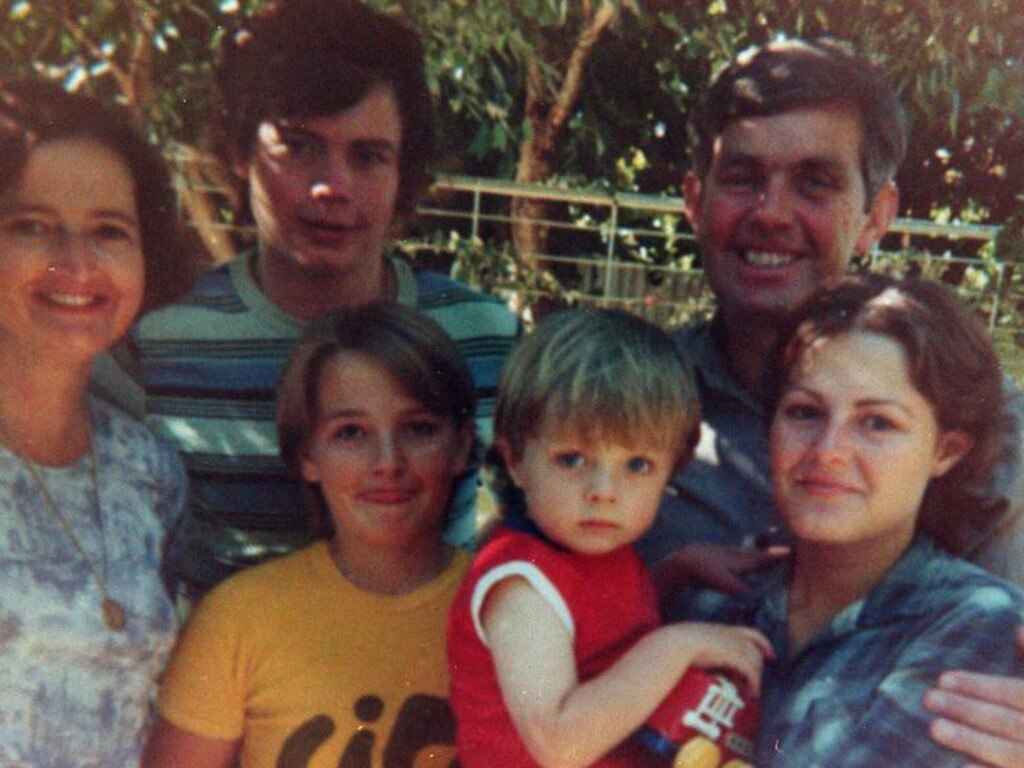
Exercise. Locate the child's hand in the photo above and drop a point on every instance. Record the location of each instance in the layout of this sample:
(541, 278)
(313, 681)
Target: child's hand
(740, 649)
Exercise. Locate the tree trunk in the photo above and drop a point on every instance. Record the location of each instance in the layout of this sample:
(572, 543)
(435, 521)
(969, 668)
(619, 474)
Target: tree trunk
(546, 117)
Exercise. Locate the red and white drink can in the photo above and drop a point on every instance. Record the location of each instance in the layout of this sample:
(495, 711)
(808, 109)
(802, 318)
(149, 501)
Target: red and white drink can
(706, 721)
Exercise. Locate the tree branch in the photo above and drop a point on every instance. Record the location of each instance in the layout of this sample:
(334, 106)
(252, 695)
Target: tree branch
(572, 83)
(140, 63)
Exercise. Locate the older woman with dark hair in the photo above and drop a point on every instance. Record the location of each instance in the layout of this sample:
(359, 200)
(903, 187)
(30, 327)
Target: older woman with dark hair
(87, 237)
(888, 410)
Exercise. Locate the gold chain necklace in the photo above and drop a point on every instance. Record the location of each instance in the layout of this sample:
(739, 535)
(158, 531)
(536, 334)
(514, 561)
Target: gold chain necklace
(115, 617)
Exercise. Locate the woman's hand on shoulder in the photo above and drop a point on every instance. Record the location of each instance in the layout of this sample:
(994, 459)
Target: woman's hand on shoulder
(981, 716)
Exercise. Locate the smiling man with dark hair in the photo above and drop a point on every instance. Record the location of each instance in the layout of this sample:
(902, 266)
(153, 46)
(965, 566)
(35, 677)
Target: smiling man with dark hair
(326, 121)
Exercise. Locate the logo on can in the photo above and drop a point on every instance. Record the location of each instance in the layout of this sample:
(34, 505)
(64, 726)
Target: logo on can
(704, 722)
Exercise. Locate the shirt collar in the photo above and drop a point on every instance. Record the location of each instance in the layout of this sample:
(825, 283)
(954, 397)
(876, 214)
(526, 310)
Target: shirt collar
(704, 344)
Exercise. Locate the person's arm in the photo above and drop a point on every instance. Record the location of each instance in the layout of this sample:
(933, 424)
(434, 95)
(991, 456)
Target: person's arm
(567, 723)
(980, 716)
(172, 747)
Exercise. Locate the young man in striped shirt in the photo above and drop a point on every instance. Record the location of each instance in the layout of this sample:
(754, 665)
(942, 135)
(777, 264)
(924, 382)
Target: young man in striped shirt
(326, 121)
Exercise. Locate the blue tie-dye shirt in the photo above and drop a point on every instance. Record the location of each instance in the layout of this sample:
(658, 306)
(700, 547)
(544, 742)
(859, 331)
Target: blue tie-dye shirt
(852, 695)
(73, 693)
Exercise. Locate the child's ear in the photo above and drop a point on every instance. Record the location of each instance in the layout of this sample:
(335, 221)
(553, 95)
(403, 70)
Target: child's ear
(690, 449)
(508, 456)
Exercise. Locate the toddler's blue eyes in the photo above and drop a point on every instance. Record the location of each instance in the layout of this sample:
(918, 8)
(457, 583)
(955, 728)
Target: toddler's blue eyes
(570, 460)
(639, 465)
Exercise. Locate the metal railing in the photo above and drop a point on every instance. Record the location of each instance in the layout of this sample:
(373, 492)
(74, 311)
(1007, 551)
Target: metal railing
(638, 250)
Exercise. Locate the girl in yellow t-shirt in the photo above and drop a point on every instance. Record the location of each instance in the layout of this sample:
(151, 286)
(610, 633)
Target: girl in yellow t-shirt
(334, 655)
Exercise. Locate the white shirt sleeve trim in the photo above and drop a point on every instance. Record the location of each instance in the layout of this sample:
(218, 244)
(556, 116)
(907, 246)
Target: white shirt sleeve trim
(534, 577)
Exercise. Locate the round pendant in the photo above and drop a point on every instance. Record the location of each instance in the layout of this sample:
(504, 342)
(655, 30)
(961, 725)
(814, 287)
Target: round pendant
(114, 615)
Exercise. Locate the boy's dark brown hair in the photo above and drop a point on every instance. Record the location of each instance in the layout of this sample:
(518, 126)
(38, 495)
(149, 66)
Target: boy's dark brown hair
(314, 58)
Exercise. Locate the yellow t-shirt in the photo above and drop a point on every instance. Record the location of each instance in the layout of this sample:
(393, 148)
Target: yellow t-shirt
(310, 671)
